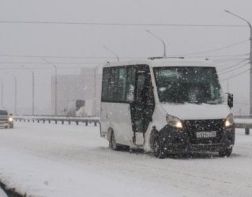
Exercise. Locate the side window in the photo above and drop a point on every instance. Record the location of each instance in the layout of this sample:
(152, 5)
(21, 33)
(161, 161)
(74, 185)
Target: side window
(105, 81)
(114, 84)
(131, 83)
(112, 90)
(121, 84)
(109, 84)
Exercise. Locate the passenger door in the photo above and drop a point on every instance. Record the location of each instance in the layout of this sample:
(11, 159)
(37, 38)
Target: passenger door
(143, 106)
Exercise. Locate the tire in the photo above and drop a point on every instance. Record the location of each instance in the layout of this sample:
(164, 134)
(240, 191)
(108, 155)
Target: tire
(112, 142)
(157, 149)
(226, 152)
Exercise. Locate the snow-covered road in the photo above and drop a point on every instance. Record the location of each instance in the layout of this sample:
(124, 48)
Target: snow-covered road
(69, 160)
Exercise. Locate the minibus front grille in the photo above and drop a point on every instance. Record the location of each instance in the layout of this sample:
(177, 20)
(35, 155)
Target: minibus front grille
(194, 126)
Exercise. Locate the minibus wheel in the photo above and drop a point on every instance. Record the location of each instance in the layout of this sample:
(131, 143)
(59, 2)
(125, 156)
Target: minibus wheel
(226, 152)
(112, 142)
(157, 149)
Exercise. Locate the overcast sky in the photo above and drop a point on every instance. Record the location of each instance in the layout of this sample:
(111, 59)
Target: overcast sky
(127, 41)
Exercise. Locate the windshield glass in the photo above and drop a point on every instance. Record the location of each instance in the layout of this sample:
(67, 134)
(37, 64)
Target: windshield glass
(188, 85)
(3, 112)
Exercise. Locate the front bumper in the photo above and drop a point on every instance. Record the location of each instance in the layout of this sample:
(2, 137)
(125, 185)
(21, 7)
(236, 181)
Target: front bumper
(175, 141)
(6, 124)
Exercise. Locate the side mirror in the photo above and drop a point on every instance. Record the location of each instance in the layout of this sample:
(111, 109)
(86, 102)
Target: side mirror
(230, 100)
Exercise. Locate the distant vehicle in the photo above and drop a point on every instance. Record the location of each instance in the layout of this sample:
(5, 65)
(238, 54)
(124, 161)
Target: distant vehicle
(166, 106)
(6, 120)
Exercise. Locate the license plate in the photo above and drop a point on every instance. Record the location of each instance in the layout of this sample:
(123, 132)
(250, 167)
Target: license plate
(208, 134)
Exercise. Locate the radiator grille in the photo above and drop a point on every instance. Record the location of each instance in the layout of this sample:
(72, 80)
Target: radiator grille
(194, 126)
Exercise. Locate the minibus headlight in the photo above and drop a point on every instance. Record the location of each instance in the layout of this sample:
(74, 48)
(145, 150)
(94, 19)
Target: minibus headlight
(229, 121)
(10, 119)
(174, 121)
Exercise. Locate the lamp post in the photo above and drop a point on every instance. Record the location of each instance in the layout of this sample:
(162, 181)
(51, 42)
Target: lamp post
(15, 95)
(2, 92)
(33, 93)
(32, 89)
(160, 39)
(250, 55)
(108, 49)
(55, 86)
(56, 90)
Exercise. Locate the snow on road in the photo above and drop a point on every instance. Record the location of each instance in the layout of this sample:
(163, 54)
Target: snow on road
(69, 160)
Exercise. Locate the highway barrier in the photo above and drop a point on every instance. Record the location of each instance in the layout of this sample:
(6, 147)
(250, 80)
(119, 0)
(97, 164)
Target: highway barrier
(244, 122)
(59, 120)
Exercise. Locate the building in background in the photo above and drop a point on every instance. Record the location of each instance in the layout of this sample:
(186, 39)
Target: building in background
(72, 90)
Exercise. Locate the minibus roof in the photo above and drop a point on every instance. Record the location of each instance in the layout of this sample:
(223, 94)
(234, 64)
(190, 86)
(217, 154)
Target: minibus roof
(164, 62)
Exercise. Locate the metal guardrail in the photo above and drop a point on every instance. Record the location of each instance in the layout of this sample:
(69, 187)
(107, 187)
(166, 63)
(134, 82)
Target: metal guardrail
(246, 126)
(242, 122)
(95, 120)
(58, 119)
(243, 116)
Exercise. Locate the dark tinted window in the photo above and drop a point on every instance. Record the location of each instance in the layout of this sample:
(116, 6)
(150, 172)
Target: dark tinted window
(118, 84)
(105, 82)
(131, 82)
(3, 112)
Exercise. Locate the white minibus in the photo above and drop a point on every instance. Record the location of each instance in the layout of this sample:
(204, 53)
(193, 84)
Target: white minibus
(166, 106)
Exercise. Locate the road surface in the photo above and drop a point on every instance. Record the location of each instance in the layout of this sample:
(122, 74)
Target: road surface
(70, 160)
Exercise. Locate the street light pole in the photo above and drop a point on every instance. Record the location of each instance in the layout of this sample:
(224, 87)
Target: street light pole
(56, 90)
(55, 86)
(108, 49)
(15, 95)
(2, 92)
(33, 93)
(160, 39)
(250, 56)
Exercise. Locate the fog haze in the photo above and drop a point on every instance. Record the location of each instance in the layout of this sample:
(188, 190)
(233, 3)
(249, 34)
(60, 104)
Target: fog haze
(27, 48)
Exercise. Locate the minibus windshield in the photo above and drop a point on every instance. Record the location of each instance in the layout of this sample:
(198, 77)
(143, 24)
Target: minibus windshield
(3, 112)
(188, 85)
